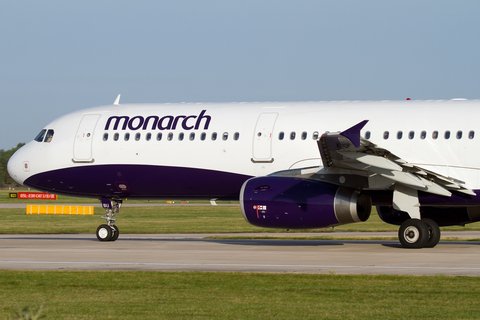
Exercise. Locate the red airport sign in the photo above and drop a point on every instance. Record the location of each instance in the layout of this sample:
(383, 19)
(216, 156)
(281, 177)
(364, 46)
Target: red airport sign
(33, 196)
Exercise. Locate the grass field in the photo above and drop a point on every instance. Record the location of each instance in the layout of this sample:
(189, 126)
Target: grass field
(162, 219)
(193, 295)
(165, 219)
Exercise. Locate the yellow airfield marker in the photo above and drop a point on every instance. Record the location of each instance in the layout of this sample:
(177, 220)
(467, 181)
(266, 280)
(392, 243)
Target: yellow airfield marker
(60, 210)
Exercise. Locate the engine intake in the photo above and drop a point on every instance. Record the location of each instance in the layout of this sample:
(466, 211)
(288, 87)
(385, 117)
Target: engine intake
(292, 203)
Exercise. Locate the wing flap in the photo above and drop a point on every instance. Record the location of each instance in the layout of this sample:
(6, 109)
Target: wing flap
(371, 160)
(405, 178)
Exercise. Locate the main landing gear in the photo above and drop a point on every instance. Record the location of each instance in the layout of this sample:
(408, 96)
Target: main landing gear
(109, 231)
(415, 233)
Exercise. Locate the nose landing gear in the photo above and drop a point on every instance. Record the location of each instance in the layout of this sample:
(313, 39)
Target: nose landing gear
(109, 231)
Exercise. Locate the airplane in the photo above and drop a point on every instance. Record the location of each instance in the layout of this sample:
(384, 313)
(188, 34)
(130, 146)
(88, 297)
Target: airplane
(291, 165)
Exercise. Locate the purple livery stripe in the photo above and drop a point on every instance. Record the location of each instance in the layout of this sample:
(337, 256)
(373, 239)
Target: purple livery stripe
(140, 182)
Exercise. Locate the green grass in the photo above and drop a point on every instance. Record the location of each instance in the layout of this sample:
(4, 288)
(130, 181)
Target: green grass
(166, 219)
(161, 219)
(169, 219)
(194, 295)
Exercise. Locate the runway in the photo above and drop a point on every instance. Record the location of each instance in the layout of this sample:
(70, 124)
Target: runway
(191, 252)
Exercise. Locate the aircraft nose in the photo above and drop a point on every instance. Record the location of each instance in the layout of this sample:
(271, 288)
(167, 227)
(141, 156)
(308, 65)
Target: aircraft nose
(18, 167)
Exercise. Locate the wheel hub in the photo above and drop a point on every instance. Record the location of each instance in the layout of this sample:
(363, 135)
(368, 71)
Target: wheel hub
(411, 234)
(103, 233)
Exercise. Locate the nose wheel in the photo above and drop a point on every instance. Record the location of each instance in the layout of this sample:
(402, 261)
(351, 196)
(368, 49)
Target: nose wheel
(109, 231)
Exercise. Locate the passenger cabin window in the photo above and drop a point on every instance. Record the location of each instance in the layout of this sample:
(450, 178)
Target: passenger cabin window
(214, 136)
(40, 136)
(236, 136)
(281, 135)
(447, 134)
(423, 135)
(203, 136)
(315, 135)
(127, 136)
(399, 134)
(292, 135)
(159, 136)
(367, 135)
(225, 136)
(459, 134)
(385, 135)
(471, 134)
(434, 135)
(137, 136)
(170, 136)
(148, 137)
(105, 136)
(192, 136)
(180, 136)
(304, 135)
(116, 136)
(411, 135)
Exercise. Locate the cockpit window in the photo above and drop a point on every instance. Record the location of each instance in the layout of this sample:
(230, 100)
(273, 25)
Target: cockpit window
(40, 136)
(49, 135)
(44, 136)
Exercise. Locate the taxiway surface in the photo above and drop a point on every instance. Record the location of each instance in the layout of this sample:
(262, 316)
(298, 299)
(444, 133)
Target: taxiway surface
(194, 253)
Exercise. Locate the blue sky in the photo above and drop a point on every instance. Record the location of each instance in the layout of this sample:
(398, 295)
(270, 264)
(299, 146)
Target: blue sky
(60, 56)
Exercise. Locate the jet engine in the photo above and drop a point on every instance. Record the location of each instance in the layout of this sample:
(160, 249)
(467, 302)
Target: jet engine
(294, 203)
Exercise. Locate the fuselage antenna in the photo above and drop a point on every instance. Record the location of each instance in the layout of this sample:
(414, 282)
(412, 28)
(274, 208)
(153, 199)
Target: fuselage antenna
(117, 101)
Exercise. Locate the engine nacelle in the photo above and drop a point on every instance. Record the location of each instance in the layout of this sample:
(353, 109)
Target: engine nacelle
(292, 203)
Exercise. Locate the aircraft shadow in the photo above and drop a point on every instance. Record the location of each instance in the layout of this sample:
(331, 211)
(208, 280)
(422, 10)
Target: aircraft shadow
(243, 242)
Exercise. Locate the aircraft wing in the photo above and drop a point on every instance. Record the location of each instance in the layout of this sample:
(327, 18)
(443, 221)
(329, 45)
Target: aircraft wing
(346, 151)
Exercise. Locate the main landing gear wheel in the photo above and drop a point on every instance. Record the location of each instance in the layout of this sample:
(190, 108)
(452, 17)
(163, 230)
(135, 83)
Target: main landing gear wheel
(433, 233)
(104, 232)
(413, 233)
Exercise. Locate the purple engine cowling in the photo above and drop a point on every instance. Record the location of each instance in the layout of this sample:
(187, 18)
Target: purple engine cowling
(293, 203)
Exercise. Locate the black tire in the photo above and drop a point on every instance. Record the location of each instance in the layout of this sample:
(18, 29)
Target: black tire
(433, 233)
(413, 233)
(115, 233)
(104, 232)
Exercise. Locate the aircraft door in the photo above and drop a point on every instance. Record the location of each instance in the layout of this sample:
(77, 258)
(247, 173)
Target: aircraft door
(262, 138)
(82, 146)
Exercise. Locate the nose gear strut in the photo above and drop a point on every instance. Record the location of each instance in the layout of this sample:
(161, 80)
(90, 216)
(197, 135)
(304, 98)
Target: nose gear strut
(109, 231)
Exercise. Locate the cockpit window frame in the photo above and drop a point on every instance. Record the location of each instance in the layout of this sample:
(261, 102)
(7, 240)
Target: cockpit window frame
(41, 135)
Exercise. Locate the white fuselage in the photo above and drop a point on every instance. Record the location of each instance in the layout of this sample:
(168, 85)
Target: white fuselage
(248, 138)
